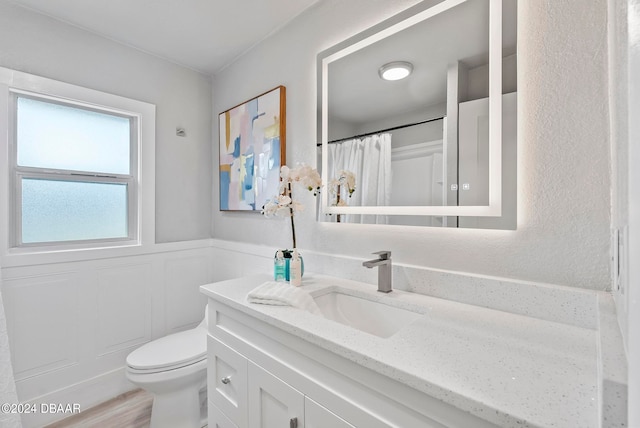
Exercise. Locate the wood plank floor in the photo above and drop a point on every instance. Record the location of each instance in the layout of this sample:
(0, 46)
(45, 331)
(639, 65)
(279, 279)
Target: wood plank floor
(129, 410)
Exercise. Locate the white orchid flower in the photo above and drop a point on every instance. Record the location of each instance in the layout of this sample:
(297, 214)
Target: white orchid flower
(284, 173)
(284, 200)
(284, 206)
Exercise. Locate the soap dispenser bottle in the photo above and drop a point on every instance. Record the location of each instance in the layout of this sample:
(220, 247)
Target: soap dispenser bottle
(295, 269)
(279, 267)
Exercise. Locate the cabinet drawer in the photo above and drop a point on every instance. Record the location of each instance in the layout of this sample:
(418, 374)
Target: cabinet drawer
(227, 381)
(217, 419)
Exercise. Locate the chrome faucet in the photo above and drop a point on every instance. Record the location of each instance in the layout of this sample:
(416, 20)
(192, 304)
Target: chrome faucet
(383, 263)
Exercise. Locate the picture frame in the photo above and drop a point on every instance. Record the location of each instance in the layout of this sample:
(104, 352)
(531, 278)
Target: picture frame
(252, 148)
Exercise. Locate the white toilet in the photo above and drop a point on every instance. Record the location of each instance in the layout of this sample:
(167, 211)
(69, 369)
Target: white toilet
(174, 369)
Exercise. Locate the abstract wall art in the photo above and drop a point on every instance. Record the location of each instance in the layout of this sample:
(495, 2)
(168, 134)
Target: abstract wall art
(252, 149)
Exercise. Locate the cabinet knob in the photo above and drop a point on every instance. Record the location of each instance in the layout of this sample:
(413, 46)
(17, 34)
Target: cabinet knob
(226, 380)
(293, 423)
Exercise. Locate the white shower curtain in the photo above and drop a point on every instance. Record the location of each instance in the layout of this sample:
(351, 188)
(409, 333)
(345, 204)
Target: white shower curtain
(369, 158)
(7, 384)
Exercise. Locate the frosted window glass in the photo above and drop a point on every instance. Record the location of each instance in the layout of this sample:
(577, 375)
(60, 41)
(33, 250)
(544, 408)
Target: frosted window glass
(72, 210)
(56, 136)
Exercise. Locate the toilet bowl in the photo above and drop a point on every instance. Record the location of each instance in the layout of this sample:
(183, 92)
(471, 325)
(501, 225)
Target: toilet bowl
(174, 369)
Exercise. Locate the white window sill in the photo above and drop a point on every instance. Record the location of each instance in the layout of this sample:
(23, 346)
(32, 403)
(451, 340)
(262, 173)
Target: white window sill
(16, 257)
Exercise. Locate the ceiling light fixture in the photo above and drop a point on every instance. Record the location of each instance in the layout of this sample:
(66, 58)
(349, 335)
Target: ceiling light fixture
(395, 70)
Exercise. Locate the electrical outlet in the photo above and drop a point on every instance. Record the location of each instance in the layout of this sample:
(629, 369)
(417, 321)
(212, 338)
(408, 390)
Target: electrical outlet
(619, 259)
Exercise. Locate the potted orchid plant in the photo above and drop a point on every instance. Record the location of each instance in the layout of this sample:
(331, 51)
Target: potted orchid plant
(284, 205)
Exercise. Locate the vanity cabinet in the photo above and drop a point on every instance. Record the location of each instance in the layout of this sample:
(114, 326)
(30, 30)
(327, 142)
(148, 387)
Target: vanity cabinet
(244, 394)
(274, 403)
(262, 376)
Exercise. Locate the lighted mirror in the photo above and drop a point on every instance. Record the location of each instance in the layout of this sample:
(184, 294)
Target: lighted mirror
(421, 108)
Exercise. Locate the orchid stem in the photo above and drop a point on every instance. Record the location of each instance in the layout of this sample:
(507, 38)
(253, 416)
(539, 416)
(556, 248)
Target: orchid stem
(338, 203)
(293, 227)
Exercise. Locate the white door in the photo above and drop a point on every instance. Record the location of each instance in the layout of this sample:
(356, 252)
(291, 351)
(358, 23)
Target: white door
(273, 403)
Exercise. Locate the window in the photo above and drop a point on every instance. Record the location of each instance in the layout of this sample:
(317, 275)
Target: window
(75, 172)
(77, 169)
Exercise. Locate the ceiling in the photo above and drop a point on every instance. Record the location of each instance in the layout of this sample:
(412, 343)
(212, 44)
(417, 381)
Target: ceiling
(205, 35)
(358, 96)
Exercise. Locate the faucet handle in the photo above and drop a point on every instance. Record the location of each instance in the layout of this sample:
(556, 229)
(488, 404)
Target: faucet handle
(384, 255)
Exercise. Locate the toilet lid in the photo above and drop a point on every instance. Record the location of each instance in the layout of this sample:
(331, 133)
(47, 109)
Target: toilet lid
(172, 351)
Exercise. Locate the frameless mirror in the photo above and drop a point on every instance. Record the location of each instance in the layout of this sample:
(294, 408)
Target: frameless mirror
(434, 148)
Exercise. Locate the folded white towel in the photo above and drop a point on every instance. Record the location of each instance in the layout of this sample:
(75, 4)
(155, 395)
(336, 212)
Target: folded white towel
(283, 294)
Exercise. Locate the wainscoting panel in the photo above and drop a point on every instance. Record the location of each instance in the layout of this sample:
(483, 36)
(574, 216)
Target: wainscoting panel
(227, 264)
(45, 310)
(252, 264)
(124, 307)
(184, 302)
(233, 260)
(72, 322)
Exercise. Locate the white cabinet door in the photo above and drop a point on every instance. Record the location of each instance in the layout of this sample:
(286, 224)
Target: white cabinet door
(227, 381)
(273, 403)
(317, 416)
(217, 419)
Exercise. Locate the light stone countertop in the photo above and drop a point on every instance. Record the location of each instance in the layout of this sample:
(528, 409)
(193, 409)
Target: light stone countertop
(512, 370)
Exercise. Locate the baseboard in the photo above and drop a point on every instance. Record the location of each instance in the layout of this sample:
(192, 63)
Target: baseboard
(83, 395)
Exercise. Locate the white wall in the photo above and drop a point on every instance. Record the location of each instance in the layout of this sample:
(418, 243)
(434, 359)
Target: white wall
(563, 169)
(73, 318)
(40, 45)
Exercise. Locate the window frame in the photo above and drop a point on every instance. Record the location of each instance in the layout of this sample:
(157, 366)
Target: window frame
(140, 180)
(54, 174)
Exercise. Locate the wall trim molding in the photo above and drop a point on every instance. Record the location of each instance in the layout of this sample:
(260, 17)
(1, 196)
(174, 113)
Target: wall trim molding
(88, 254)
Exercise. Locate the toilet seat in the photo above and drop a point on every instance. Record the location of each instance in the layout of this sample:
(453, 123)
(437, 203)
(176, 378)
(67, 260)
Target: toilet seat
(170, 352)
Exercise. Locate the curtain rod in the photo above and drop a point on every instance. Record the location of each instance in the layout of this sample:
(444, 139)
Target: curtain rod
(383, 130)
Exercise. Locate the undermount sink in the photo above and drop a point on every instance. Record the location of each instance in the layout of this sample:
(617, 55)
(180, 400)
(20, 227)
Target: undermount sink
(365, 315)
